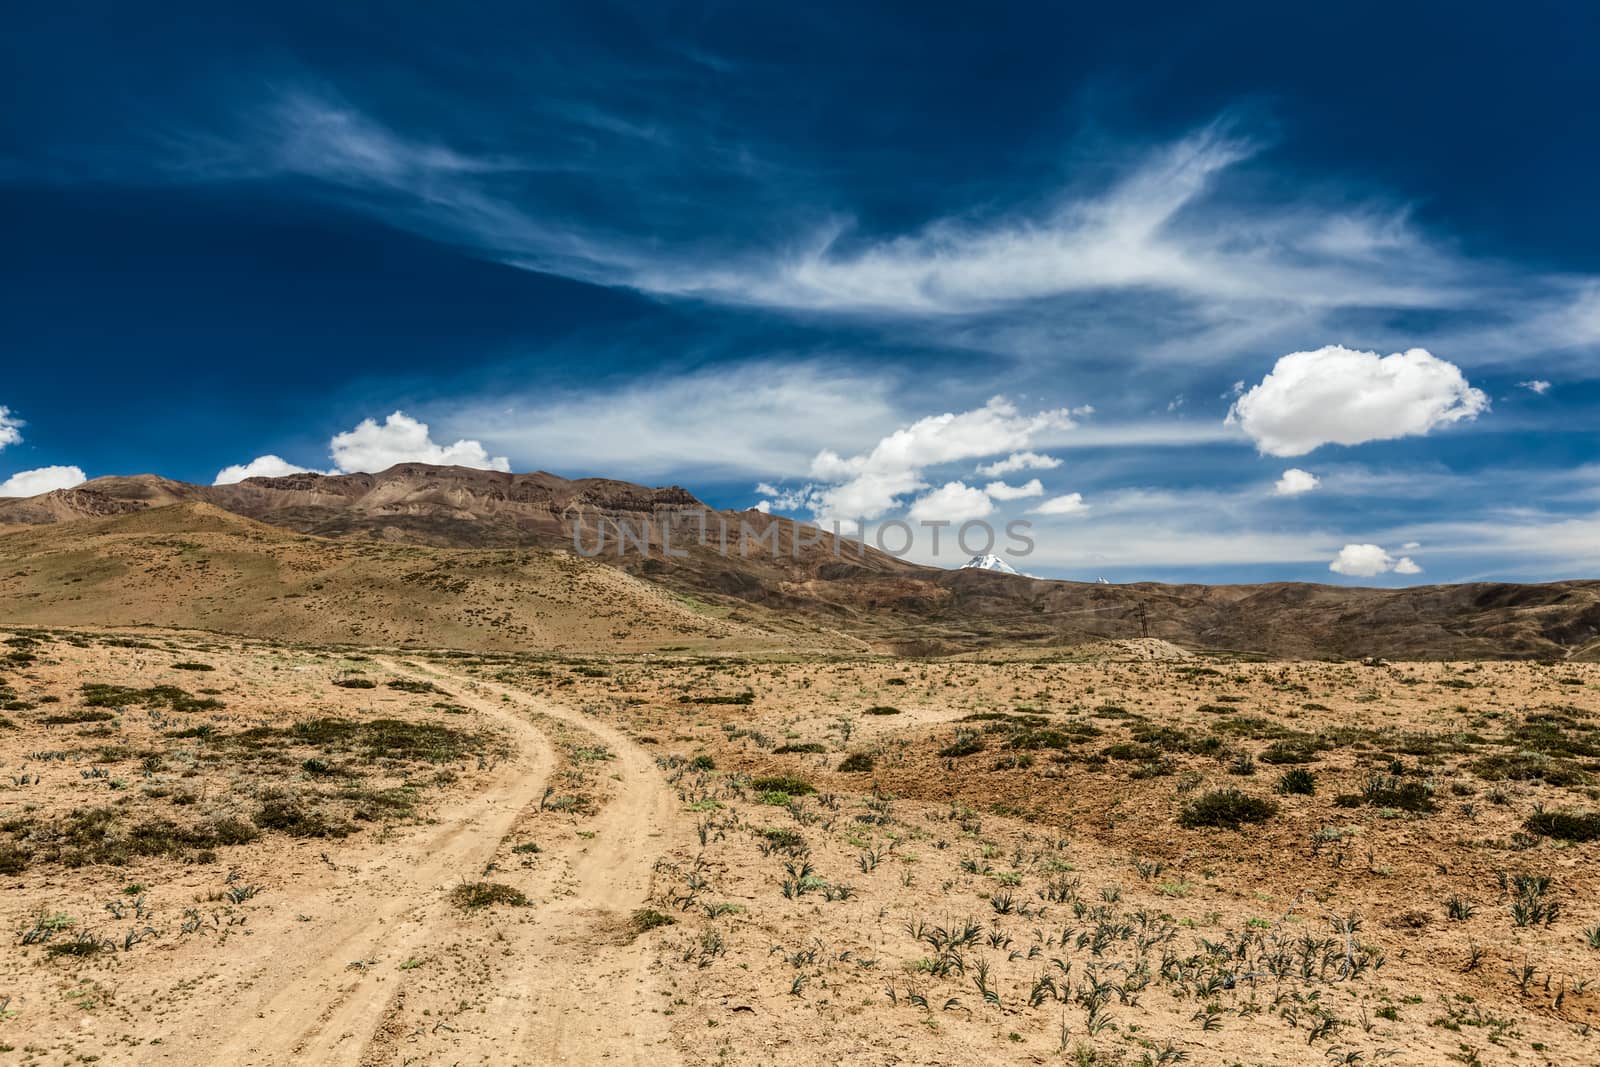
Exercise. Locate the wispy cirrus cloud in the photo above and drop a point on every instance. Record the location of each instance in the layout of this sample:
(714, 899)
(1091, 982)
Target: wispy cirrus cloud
(1158, 226)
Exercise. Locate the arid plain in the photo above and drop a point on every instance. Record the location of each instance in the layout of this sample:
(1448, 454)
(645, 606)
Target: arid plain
(228, 850)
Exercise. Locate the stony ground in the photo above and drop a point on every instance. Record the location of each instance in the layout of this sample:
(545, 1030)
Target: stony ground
(220, 851)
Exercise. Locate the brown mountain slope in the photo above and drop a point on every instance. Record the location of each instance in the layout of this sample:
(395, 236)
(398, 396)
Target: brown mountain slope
(193, 565)
(783, 590)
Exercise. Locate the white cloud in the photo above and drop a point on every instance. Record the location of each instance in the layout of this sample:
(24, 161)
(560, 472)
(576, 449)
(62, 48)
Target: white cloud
(1535, 385)
(1362, 561)
(10, 428)
(952, 502)
(402, 439)
(1070, 504)
(870, 484)
(1368, 561)
(1002, 491)
(42, 480)
(1296, 481)
(1411, 546)
(1155, 226)
(1021, 461)
(777, 411)
(1336, 395)
(261, 467)
(371, 448)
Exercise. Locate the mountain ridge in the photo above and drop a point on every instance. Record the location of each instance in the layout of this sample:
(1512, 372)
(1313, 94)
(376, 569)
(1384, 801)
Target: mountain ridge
(799, 585)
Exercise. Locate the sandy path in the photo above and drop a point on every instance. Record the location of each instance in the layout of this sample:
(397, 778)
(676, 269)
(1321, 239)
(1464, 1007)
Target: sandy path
(572, 1001)
(587, 991)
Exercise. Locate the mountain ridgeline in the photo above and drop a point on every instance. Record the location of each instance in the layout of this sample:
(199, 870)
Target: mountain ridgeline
(457, 557)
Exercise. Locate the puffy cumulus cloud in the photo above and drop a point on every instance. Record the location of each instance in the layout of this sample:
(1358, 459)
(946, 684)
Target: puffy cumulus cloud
(10, 428)
(372, 447)
(870, 484)
(1002, 491)
(261, 467)
(1019, 461)
(1069, 504)
(1535, 385)
(1296, 481)
(402, 439)
(1337, 395)
(952, 502)
(1369, 561)
(41, 480)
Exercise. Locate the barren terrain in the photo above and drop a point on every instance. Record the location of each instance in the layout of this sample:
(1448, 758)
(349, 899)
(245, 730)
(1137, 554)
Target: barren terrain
(229, 851)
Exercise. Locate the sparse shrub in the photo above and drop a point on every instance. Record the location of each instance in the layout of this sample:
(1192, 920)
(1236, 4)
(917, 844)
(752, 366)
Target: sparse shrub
(803, 746)
(96, 695)
(355, 683)
(1297, 781)
(966, 743)
(72, 718)
(472, 895)
(1388, 791)
(857, 763)
(412, 685)
(884, 709)
(646, 919)
(1226, 808)
(1564, 826)
(786, 784)
(703, 763)
(193, 667)
(288, 817)
(12, 859)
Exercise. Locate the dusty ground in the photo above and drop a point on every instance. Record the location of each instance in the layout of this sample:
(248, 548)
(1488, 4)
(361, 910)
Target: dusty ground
(659, 858)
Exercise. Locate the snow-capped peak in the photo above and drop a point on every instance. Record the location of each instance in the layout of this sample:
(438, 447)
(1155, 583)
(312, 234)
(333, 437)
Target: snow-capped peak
(989, 562)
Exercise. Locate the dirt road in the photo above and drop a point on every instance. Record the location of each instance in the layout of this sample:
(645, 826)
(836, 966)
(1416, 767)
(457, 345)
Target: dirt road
(578, 989)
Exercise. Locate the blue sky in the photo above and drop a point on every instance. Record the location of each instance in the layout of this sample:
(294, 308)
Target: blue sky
(836, 261)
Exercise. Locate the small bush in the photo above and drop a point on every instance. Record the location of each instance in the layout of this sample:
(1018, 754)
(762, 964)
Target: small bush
(290, 818)
(646, 919)
(1297, 782)
(804, 746)
(1564, 825)
(355, 683)
(884, 709)
(1388, 791)
(786, 784)
(967, 743)
(1226, 808)
(72, 718)
(789, 841)
(12, 859)
(470, 895)
(193, 667)
(408, 685)
(83, 945)
(703, 763)
(857, 763)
